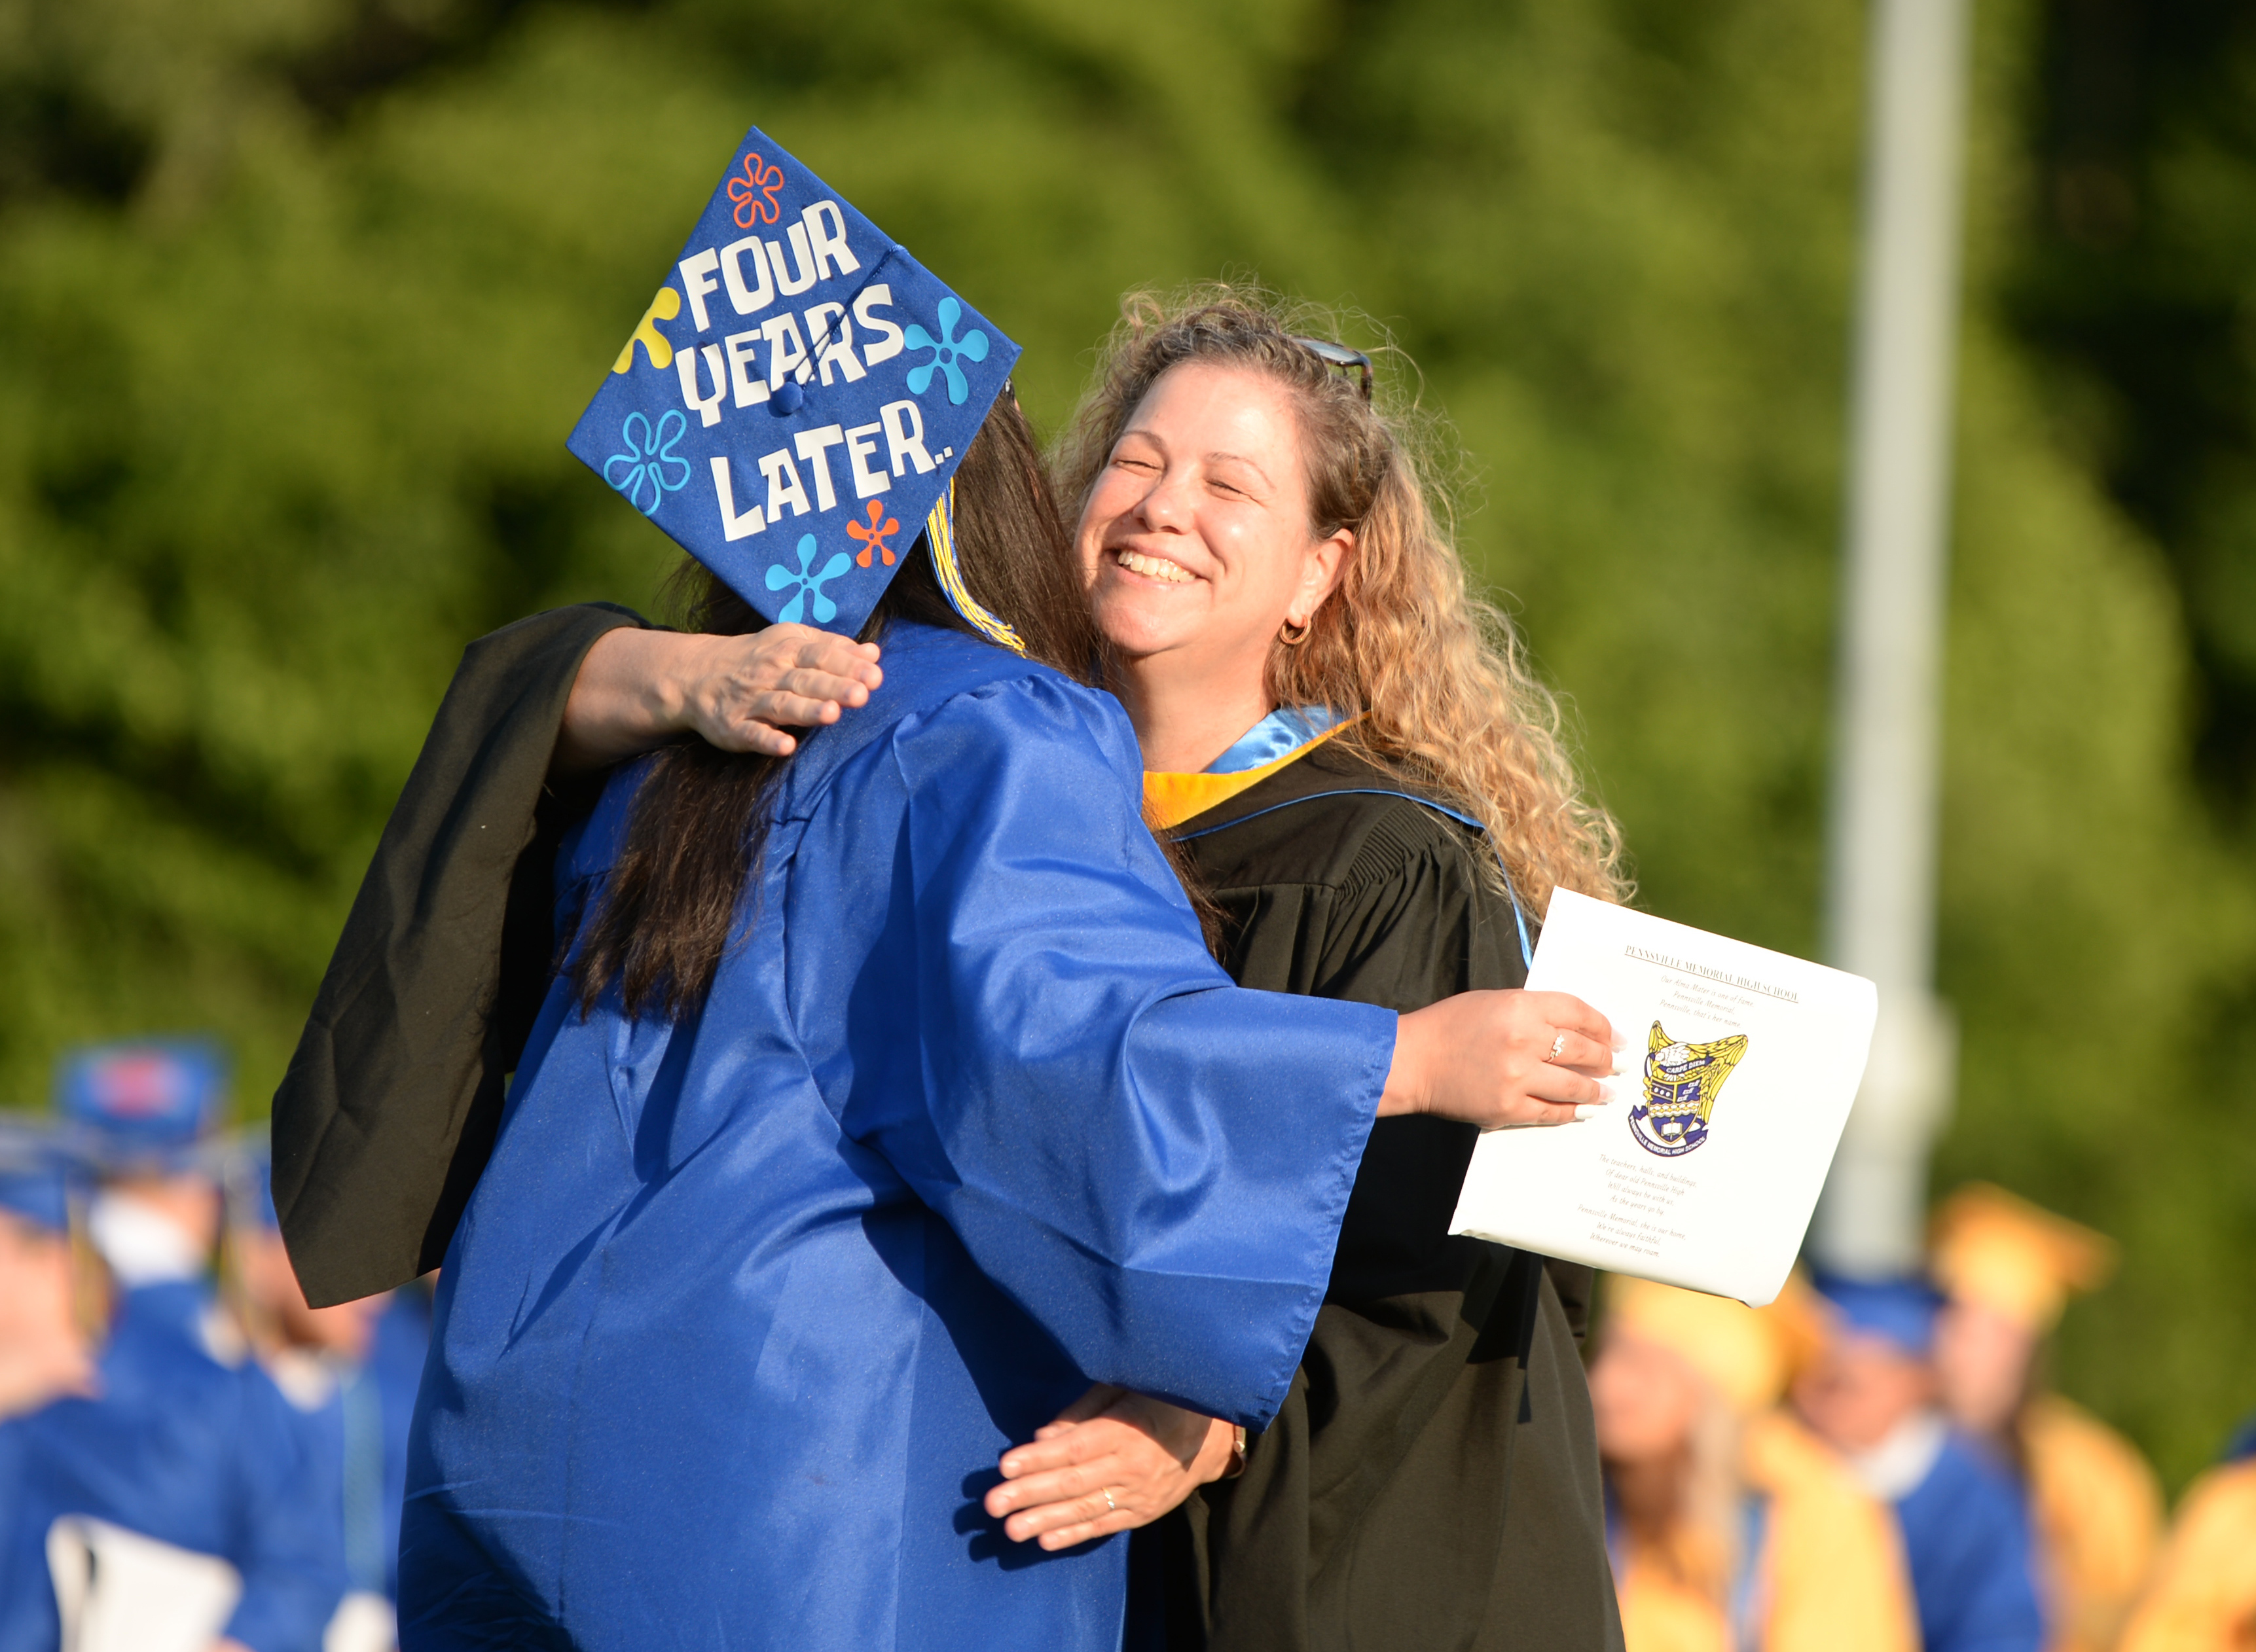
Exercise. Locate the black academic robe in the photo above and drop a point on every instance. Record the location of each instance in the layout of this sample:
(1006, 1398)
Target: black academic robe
(388, 1111)
(1432, 1479)
(1432, 1482)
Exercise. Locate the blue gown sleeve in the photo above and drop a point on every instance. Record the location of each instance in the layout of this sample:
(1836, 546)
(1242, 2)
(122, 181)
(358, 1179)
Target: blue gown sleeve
(291, 1544)
(1152, 1162)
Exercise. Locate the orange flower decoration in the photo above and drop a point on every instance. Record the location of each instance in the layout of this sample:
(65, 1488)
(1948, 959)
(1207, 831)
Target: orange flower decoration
(873, 537)
(755, 193)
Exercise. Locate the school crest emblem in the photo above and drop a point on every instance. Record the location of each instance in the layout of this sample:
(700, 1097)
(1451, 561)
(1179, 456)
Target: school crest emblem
(1681, 1083)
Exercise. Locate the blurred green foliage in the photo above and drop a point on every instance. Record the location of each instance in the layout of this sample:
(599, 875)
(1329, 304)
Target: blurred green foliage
(297, 299)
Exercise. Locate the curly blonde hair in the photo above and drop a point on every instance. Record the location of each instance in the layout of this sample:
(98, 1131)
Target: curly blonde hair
(1446, 700)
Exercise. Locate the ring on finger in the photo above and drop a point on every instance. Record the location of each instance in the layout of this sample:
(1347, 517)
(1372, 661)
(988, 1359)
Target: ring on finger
(1558, 1044)
(1110, 1508)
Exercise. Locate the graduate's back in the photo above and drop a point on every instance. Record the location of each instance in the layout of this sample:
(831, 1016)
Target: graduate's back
(747, 1304)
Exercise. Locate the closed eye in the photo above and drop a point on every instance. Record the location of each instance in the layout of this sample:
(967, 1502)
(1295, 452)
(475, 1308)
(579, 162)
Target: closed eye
(1222, 471)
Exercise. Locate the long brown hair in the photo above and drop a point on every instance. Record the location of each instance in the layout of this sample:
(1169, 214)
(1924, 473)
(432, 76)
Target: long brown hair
(661, 926)
(1440, 677)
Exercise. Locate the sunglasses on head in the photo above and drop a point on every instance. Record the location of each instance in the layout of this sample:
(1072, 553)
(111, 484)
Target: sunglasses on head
(1340, 356)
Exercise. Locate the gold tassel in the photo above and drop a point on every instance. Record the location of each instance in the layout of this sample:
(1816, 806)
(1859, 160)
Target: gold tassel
(940, 533)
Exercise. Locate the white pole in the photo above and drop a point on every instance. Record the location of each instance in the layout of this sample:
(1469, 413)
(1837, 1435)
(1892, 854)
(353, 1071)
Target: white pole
(1881, 853)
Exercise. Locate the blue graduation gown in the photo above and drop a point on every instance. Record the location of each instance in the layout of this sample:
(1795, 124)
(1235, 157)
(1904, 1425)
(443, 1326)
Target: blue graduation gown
(743, 1312)
(356, 1444)
(184, 1449)
(1967, 1538)
(395, 1365)
(27, 1607)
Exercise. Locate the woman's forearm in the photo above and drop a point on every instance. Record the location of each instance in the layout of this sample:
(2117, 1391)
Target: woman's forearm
(627, 698)
(638, 689)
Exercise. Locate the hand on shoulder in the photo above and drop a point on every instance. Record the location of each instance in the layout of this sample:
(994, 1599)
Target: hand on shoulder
(638, 689)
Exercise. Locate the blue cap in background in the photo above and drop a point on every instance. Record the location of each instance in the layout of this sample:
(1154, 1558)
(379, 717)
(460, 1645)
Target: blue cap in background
(148, 1103)
(35, 1176)
(1902, 1310)
(792, 406)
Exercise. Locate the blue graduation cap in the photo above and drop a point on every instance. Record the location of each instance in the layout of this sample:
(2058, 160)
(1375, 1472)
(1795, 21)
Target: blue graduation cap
(1899, 1310)
(792, 407)
(135, 1102)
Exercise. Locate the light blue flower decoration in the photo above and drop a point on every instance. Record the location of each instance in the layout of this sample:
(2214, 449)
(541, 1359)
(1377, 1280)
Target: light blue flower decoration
(810, 584)
(972, 347)
(649, 461)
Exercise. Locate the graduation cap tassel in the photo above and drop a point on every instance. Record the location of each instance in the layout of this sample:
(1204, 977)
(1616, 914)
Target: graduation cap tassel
(940, 533)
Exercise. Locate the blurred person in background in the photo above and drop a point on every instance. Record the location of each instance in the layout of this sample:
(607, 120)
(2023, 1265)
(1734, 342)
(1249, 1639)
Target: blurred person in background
(46, 1349)
(1732, 1529)
(172, 1506)
(1872, 1393)
(2203, 1594)
(46, 1352)
(350, 1373)
(144, 1114)
(2007, 1270)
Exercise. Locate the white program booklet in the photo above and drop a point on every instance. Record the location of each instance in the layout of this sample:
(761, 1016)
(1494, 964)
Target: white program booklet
(1740, 1071)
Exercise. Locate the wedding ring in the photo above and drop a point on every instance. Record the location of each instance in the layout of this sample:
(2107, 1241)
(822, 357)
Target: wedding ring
(1558, 1044)
(1110, 1508)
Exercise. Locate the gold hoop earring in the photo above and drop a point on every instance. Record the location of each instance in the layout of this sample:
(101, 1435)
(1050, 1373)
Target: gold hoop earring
(1292, 638)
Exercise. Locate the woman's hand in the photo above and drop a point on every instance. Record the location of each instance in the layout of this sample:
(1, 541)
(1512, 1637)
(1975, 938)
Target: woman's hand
(1147, 1454)
(638, 689)
(1501, 1058)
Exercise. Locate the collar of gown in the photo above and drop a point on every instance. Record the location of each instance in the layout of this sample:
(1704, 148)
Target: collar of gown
(307, 1379)
(1284, 735)
(1895, 1468)
(142, 1247)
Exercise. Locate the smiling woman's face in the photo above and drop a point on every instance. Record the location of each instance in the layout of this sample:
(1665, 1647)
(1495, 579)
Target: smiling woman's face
(1195, 540)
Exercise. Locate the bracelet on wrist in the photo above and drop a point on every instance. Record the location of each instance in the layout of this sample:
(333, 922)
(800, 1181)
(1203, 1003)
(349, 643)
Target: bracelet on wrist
(1237, 1463)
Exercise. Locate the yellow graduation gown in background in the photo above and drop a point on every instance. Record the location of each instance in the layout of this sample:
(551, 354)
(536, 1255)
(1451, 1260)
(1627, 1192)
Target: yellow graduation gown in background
(1660, 1613)
(2098, 1512)
(2204, 1594)
(1830, 1578)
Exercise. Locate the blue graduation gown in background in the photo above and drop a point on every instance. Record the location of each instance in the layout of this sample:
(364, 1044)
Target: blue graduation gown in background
(395, 1365)
(355, 1443)
(182, 1448)
(743, 1312)
(27, 1607)
(1967, 1537)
